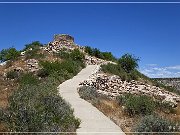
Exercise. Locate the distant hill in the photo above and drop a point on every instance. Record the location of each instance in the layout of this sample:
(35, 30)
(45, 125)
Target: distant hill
(172, 82)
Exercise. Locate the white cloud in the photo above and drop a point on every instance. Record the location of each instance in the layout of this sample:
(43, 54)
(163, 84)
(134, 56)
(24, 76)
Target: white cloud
(177, 67)
(152, 65)
(154, 71)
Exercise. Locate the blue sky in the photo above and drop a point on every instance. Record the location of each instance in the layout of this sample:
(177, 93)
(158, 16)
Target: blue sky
(149, 31)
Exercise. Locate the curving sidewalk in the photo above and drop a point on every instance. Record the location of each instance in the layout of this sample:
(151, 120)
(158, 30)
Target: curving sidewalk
(92, 120)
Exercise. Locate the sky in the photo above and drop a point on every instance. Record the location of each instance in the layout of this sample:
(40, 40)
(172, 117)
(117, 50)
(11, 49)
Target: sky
(148, 31)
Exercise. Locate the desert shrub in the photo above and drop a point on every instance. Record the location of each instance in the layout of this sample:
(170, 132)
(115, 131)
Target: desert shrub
(165, 106)
(9, 54)
(97, 53)
(28, 79)
(38, 108)
(111, 68)
(108, 56)
(135, 104)
(88, 93)
(128, 62)
(12, 75)
(118, 70)
(63, 54)
(88, 50)
(154, 123)
(62, 68)
(32, 50)
(42, 73)
(133, 75)
(77, 55)
(33, 45)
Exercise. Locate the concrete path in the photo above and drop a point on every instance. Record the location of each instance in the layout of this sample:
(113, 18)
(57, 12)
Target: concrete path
(93, 121)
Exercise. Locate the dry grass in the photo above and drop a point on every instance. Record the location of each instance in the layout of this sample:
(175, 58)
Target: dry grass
(115, 112)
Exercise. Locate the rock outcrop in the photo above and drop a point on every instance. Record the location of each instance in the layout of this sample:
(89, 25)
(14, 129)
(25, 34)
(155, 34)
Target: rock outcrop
(112, 86)
(32, 65)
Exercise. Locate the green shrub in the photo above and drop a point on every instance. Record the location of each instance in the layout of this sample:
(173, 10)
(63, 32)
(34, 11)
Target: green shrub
(12, 75)
(28, 79)
(42, 73)
(108, 56)
(63, 54)
(33, 45)
(111, 68)
(97, 53)
(77, 55)
(89, 50)
(154, 123)
(137, 104)
(32, 50)
(128, 62)
(9, 54)
(165, 106)
(62, 68)
(88, 93)
(117, 70)
(38, 108)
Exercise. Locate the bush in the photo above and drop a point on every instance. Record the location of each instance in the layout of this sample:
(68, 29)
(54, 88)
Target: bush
(117, 70)
(77, 55)
(128, 62)
(88, 93)
(28, 79)
(108, 56)
(154, 123)
(165, 106)
(12, 75)
(63, 55)
(97, 53)
(137, 104)
(32, 50)
(38, 108)
(9, 54)
(89, 50)
(62, 68)
(33, 45)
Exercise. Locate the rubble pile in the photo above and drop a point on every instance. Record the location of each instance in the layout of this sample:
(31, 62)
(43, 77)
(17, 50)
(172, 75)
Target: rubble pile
(113, 86)
(32, 65)
(91, 60)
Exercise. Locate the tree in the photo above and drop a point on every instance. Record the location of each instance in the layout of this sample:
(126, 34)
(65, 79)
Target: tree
(128, 62)
(9, 54)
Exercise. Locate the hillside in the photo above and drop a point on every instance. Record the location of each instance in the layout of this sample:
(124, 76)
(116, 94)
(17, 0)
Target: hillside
(30, 100)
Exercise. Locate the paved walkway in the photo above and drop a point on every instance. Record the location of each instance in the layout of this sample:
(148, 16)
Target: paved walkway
(93, 121)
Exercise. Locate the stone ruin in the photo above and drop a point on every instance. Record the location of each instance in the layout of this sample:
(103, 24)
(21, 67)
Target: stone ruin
(61, 41)
(63, 38)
